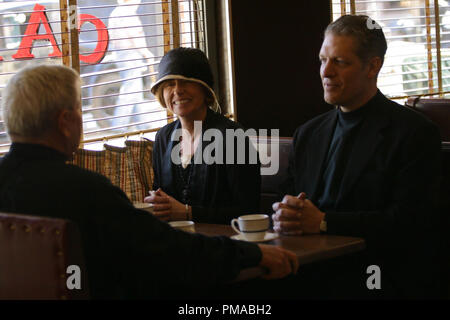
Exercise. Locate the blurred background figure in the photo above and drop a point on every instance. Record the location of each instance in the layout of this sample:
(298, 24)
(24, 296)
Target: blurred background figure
(133, 57)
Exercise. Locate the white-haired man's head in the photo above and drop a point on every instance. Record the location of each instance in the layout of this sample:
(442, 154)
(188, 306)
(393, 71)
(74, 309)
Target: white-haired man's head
(41, 102)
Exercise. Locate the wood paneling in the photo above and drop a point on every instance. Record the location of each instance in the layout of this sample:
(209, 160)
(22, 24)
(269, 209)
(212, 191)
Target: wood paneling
(276, 47)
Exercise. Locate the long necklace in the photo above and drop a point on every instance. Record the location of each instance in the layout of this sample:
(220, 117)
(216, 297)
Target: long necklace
(185, 172)
(185, 176)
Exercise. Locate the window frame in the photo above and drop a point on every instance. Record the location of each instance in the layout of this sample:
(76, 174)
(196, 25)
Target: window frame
(69, 45)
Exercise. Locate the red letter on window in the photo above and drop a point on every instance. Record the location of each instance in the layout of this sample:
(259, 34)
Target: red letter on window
(31, 34)
(102, 39)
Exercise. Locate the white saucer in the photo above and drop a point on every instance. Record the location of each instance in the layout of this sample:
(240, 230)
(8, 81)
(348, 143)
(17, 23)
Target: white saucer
(144, 206)
(268, 237)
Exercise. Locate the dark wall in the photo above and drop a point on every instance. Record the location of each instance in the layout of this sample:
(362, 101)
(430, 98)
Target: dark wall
(276, 63)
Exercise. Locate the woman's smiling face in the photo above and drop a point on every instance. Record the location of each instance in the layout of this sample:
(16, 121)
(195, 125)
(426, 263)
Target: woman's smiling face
(184, 98)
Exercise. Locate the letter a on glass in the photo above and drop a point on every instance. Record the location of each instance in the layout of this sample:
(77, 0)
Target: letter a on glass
(31, 33)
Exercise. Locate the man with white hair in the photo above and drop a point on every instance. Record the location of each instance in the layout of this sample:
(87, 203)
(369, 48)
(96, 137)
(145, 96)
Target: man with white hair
(129, 253)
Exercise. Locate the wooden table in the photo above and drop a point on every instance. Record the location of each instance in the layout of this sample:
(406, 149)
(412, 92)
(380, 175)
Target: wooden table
(308, 248)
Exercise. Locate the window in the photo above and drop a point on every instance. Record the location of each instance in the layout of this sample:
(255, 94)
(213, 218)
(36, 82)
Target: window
(417, 61)
(117, 51)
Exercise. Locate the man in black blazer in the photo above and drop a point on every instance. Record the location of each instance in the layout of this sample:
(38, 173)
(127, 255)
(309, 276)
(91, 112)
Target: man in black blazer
(370, 168)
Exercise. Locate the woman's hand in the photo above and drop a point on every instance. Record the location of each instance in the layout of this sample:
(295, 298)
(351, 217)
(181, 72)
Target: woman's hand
(165, 207)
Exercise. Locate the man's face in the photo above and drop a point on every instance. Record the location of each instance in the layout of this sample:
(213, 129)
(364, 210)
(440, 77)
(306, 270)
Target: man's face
(78, 127)
(345, 78)
(75, 125)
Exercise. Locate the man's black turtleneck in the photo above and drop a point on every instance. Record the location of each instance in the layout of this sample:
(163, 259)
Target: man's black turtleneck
(346, 129)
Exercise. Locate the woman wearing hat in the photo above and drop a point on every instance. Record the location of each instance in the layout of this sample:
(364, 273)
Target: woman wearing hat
(186, 187)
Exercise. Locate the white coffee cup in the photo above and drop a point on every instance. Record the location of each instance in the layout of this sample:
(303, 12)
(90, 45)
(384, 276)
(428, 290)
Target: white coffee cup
(188, 226)
(252, 227)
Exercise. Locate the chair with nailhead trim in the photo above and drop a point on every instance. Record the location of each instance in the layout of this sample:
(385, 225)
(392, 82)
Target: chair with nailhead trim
(35, 258)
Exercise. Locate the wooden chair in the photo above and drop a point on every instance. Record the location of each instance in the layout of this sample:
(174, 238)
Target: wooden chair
(35, 254)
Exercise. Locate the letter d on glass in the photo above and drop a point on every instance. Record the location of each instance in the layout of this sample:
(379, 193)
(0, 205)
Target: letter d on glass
(374, 281)
(74, 280)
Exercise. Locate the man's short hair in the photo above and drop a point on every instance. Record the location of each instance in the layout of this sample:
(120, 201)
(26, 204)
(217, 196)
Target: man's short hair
(368, 35)
(34, 95)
